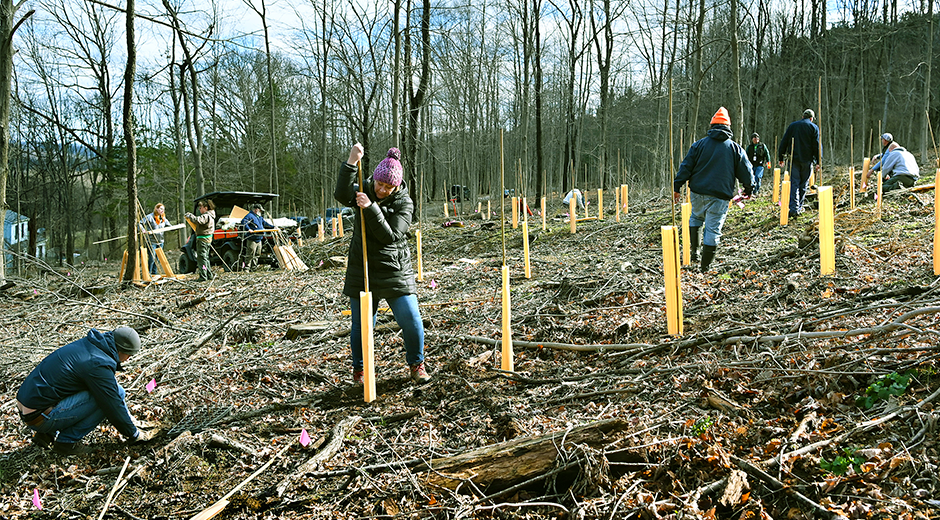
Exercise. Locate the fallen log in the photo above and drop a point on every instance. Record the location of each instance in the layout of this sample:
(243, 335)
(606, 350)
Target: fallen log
(506, 463)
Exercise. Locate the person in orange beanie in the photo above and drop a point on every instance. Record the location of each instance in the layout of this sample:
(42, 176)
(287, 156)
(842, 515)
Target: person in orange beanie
(711, 167)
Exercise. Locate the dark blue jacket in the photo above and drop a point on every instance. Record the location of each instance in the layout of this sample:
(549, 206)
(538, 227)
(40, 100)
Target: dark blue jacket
(712, 165)
(85, 364)
(254, 222)
(804, 135)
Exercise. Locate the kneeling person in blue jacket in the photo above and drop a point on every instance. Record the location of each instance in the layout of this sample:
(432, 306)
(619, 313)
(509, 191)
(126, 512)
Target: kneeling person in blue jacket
(74, 389)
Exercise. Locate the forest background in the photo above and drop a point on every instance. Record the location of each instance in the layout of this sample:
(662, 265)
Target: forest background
(595, 93)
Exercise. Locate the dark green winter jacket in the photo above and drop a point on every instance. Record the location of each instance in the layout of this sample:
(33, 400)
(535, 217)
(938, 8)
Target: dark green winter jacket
(387, 223)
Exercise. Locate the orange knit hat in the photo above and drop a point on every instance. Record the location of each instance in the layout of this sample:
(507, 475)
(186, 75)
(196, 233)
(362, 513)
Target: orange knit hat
(721, 117)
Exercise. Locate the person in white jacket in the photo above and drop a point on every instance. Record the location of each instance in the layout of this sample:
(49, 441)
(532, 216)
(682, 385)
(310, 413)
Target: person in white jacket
(898, 168)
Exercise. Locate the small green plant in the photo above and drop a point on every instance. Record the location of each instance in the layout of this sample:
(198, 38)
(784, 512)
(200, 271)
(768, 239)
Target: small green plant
(883, 388)
(841, 463)
(702, 426)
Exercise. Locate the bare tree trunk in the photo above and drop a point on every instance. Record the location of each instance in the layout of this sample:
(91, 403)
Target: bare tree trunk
(131, 145)
(738, 117)
(7, 12)
(418, 97)
(928, 57)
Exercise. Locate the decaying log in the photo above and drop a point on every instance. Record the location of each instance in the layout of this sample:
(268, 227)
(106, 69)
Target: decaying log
(519, 459)
(327, 453)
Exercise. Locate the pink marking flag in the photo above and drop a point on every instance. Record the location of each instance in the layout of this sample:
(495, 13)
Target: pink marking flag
(36, 501)
(304, 438)
(433, 284)
(151, 385)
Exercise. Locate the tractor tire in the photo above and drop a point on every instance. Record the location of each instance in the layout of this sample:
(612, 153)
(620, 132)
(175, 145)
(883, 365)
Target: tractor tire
(230, 260)
(185, 265)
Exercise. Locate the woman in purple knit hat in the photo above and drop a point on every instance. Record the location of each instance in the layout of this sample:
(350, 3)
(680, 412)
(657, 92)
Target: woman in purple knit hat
(386, 210)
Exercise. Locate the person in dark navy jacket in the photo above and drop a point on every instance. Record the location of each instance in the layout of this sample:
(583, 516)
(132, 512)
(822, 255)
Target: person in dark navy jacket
(74, 389)
(711, 168)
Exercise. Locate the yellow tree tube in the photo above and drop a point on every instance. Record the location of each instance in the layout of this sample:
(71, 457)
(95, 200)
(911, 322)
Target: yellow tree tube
(320, 236)
(625, 198)
(525, 248)
(936, 225)
(775, 196)
(866, 164)
(600, 204)
(334, 227)
(543, 213)
(339, 225)
(445, 209)
(507, 361)
(878, 196)
(489, 210)
(145, 265)
(617, 201)
(420, 260)
(515, 212)
(784, 202)
(479, 206)
(686, 233)
(851, 187)
(827, 255)
(368, 345)
(671, 271)
(573, 212)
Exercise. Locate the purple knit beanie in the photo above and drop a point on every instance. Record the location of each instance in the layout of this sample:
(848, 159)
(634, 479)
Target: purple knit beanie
(389, 170)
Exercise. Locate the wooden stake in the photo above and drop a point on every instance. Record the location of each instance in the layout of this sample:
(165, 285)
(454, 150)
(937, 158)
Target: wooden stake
(600, 203)
(573, 211)
(420, 261)
(525, 248)
(515, 212)
(365, 313)
(507, 355)
(673, 289)
(445, 208)
(775, 196)
(686, 233)
(785, 201)
(827, 259)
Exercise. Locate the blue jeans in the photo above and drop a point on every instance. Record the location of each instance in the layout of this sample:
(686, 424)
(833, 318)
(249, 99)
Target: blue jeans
(708, 212)
(799, 183)
(758, 175)
(152, 258)
(405, 310)
(73, 417)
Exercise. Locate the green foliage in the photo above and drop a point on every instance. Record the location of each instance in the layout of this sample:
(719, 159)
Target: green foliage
(841, 464)
(702, 425)
(883, 388)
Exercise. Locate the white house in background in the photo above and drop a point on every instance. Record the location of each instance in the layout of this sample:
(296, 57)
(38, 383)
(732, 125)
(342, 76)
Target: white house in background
(16, 233)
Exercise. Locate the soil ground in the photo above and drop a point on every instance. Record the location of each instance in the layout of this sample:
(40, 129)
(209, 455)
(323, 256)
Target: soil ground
(788, 395)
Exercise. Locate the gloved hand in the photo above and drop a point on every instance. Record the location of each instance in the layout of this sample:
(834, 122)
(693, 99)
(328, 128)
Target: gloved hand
(142, 437)
(676, 197)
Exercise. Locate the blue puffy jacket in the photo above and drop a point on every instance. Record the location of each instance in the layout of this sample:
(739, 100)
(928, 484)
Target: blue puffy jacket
(85, 364)
(254, 222)
(712, 165)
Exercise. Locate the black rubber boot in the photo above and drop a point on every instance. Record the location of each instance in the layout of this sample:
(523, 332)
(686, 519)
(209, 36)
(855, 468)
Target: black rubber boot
(693, 241)
(708, 254)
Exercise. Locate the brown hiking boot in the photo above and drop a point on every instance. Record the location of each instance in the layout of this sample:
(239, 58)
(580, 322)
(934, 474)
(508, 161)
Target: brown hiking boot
(419, 374)
(69, 448)
(357, 377)
(43, 440)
